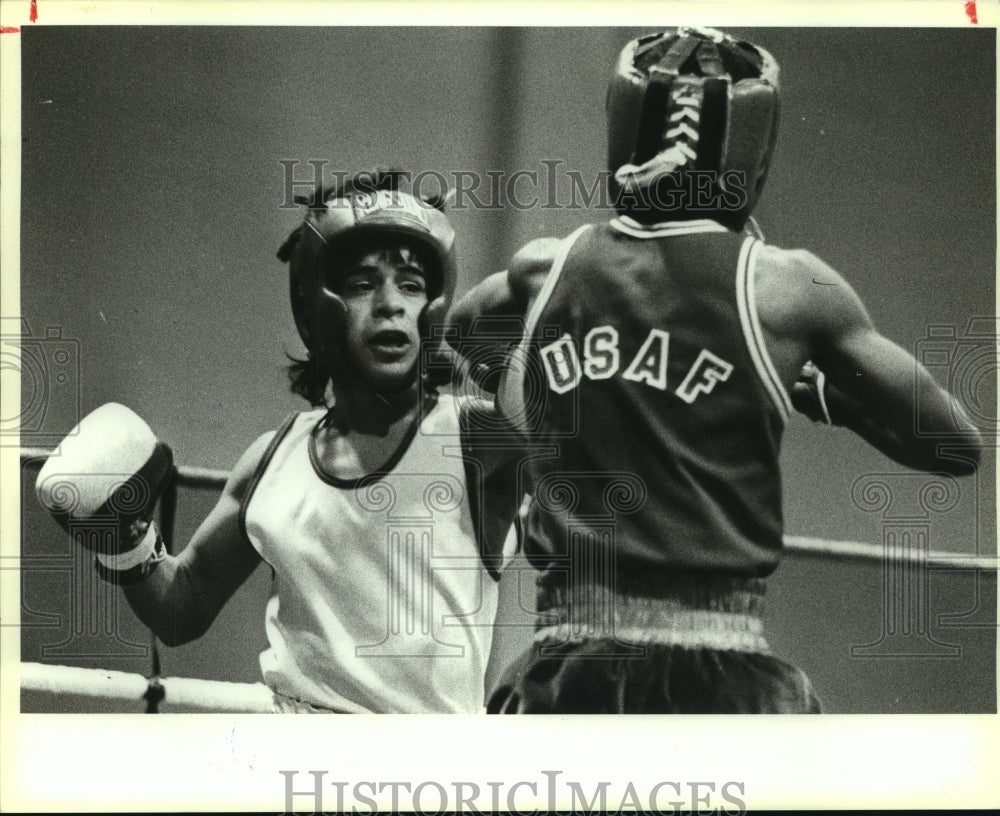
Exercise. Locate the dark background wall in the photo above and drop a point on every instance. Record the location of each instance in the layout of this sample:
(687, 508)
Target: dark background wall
(153, 200)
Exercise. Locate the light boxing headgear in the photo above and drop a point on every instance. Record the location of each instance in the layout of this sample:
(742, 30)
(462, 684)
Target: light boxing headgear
(343, 219)
(692, 122)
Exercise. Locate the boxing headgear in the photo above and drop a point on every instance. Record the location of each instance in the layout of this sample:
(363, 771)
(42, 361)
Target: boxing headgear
(341, 220)
(688, 101)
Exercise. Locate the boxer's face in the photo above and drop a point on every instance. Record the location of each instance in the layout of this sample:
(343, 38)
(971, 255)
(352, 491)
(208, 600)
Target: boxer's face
(384, 291)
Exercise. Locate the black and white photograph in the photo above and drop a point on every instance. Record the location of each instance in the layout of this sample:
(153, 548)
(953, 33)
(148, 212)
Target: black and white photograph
(407, 361)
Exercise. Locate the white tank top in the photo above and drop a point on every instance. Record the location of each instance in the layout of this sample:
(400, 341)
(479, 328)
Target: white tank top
(381, 602)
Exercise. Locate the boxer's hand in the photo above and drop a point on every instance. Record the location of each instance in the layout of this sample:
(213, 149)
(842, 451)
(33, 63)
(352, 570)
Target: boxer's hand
(102, 486)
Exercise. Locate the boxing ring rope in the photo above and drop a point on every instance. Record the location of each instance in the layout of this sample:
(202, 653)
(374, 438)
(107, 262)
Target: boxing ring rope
(197, 478)
(222, 696)
(217, 696)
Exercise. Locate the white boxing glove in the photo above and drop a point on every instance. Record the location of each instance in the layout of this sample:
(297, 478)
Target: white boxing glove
(102, 486)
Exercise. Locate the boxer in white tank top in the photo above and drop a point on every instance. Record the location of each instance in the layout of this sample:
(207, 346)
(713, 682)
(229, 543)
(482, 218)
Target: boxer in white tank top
(382, 601)
(384, 520)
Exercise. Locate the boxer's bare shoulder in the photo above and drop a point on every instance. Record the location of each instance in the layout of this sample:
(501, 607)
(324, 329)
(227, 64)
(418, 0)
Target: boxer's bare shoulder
(797, 292)
(247, 466)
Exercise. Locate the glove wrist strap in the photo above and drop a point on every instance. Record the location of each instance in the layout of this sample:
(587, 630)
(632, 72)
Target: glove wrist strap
(136, 564)
(821, 393)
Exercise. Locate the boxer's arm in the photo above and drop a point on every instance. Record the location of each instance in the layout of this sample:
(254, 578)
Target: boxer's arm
(508, 293)
(814, 396)
(530, 267)
(875, 387)
(495, 479)
(182, 597)
(493, 297)
(490, 317)
(488, 436)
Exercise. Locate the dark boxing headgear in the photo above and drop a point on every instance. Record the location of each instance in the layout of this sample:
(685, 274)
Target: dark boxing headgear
(359, 214)
(692, 122)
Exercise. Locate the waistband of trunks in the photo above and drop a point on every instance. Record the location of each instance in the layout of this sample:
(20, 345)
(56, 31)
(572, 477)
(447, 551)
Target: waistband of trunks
(714, 592)
(694, 611)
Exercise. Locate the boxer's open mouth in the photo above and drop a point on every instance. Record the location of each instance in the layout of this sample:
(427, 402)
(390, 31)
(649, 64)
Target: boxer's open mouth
(389, 342)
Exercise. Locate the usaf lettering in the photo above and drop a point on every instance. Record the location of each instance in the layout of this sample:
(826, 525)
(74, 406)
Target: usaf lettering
(602, 359)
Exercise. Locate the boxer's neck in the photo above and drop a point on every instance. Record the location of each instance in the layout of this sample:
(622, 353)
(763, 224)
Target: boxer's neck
(362, 409)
